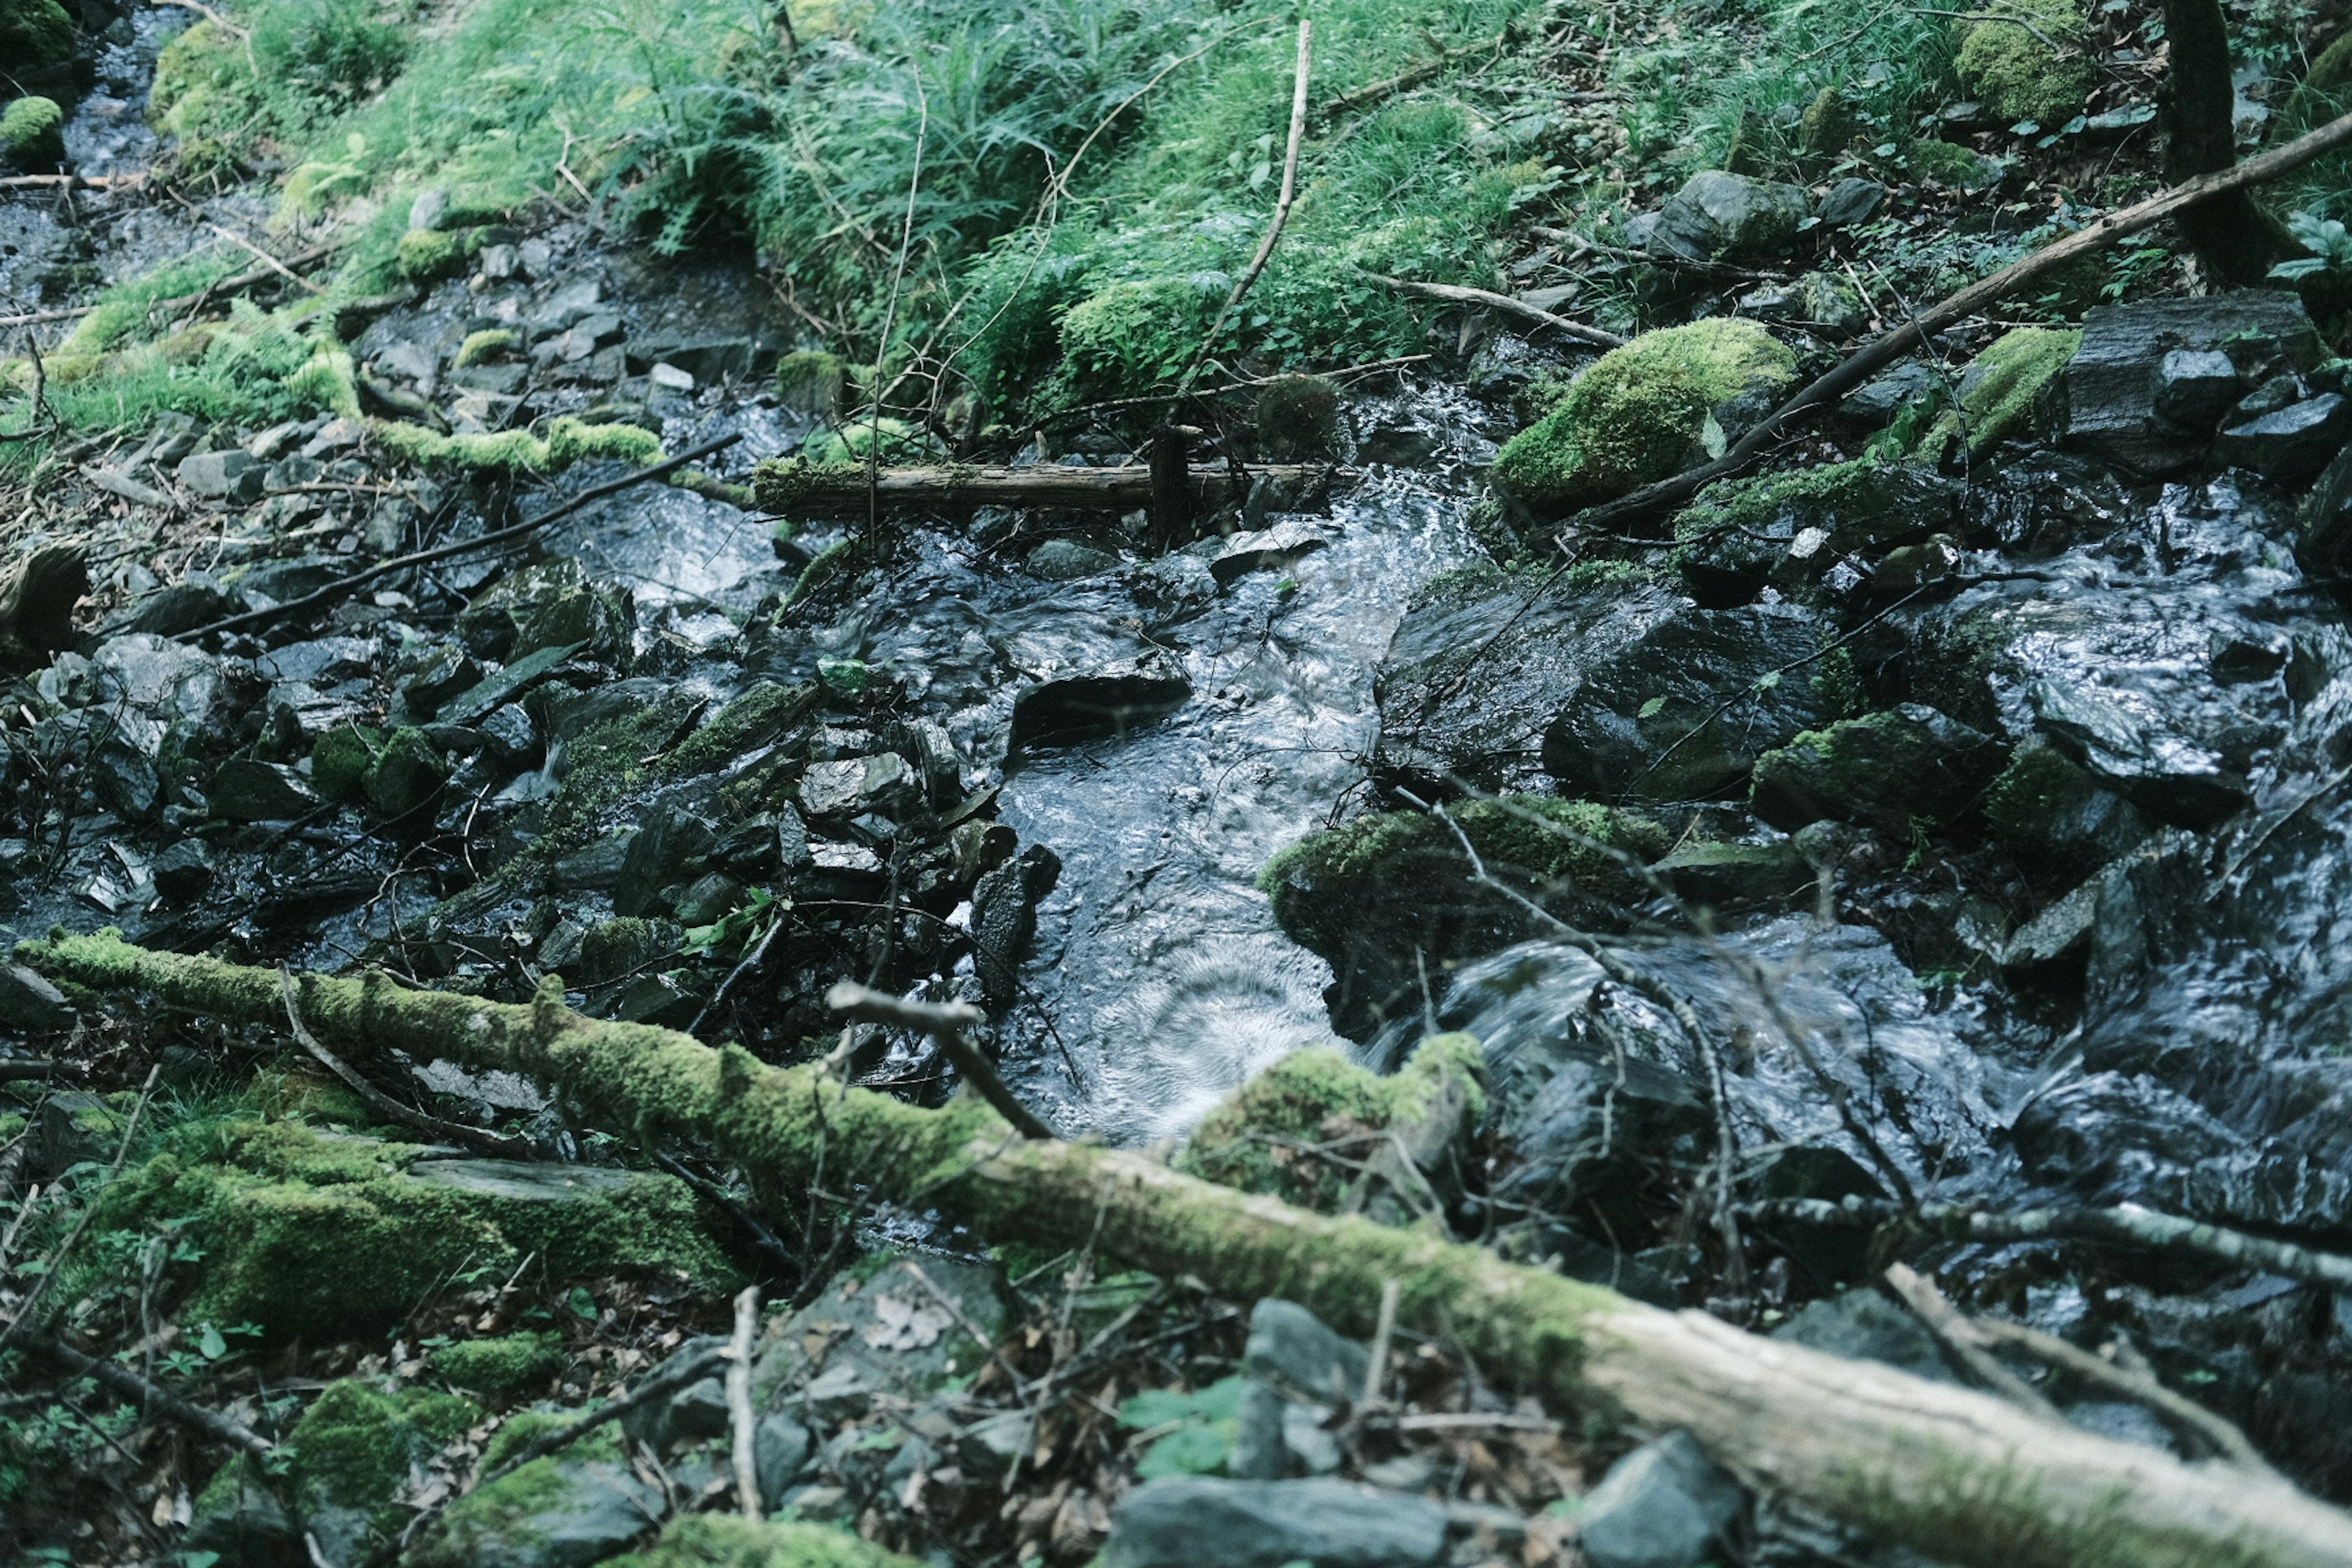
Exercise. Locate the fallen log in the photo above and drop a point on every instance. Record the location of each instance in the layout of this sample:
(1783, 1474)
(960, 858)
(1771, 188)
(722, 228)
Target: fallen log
(841, 489)
(1954, 1474)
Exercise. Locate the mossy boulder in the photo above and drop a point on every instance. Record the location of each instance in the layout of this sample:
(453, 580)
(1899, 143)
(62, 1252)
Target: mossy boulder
(350, 1458)
(32, 133)
(499, 1367)
(1390, 901)
(341, 759)
(565, 1510)
(1949, 163)
(428, 255)
(1721, 216)
(2030, 59)
(406, 775)
(1252, 1141)
(35, 33)
(482, 347)
(322, 1234)
(810, 384)
(2001, 388)
(722, 1541)
(1645, 411)
(1297, 419)
(1792, 530)
(1886, 771)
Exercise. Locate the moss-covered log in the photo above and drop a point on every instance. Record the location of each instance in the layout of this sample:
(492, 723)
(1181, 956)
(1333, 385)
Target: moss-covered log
(1957, 1475)
(804, 489)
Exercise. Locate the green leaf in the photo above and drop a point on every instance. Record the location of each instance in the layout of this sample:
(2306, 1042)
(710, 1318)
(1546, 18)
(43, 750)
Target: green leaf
(1712, 438)
(209, 1341)
(1651, 709)
(1195, 1450)
(581, 1303)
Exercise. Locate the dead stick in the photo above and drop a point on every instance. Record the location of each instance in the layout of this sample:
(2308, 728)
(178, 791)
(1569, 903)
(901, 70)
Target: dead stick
(456, 1133)
(1459, 295)
(2132, 1384)
(267, 260)
(1376, 1367)
(151, 1399)
(954, 1309)
(442, 552)
(946, 1025)
(1281, 206)
(1866, 361)
(739, 1402)
(1965, 1341)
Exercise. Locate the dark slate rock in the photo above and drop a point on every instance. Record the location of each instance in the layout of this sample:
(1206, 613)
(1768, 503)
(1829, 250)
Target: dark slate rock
(1719, 215)
(1664, 1505)
(2108, 734)
(2293, 445)
(2323, 538)
(183, 607)
(2110, 389)
(1879, 770)
(1862, 1325)
(1482, 662)
(1874, 403)
(233, 476)
(1850, 202)
(2194, 388)
(183, 873)
(1292, 1348)
(1186, 1521)
(245, 791)
(1682, 712)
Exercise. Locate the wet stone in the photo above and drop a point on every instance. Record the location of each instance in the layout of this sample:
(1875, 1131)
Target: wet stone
(2293, 445)
(248, 791)
(1850, 202)
(2194, 388)
(232, 476)
(1664, 1505)
(183, 873)
(1067, 560)
(1184, 1522)
(2112, 384)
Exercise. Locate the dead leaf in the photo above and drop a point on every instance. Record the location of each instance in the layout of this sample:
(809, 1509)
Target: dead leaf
(902, 1325)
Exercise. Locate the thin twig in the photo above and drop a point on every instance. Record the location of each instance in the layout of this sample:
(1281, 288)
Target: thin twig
(267, 260)
(476, 1138)
(1466, 296)
(739, 1402)
(1376, 1367)
(1957, 1333)
(151, 1399)
(442, 552)
(1281, 206)
(947, 1025)
(954, 1309)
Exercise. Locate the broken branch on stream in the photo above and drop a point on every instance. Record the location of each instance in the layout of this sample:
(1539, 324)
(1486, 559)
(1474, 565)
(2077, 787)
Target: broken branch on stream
(840, 490)
(1947, 1472)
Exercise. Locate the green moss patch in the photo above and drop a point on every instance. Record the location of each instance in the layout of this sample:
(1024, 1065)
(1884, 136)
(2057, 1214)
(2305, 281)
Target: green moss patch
(318, 1234)
(1642, 412)
(33, 33)
(1999, 389)
(1311, 1096)
(31, 133)
(2028, 58)
(499, 1368)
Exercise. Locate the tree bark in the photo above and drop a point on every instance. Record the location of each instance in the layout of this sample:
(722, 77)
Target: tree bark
(1952, 1473)
(2233, 235)
(840, 490)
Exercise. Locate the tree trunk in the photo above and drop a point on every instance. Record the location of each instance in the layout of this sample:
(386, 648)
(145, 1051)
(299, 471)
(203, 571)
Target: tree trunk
(840, 490)
(1955, 1474)
(36, 605)
(2233, 235)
